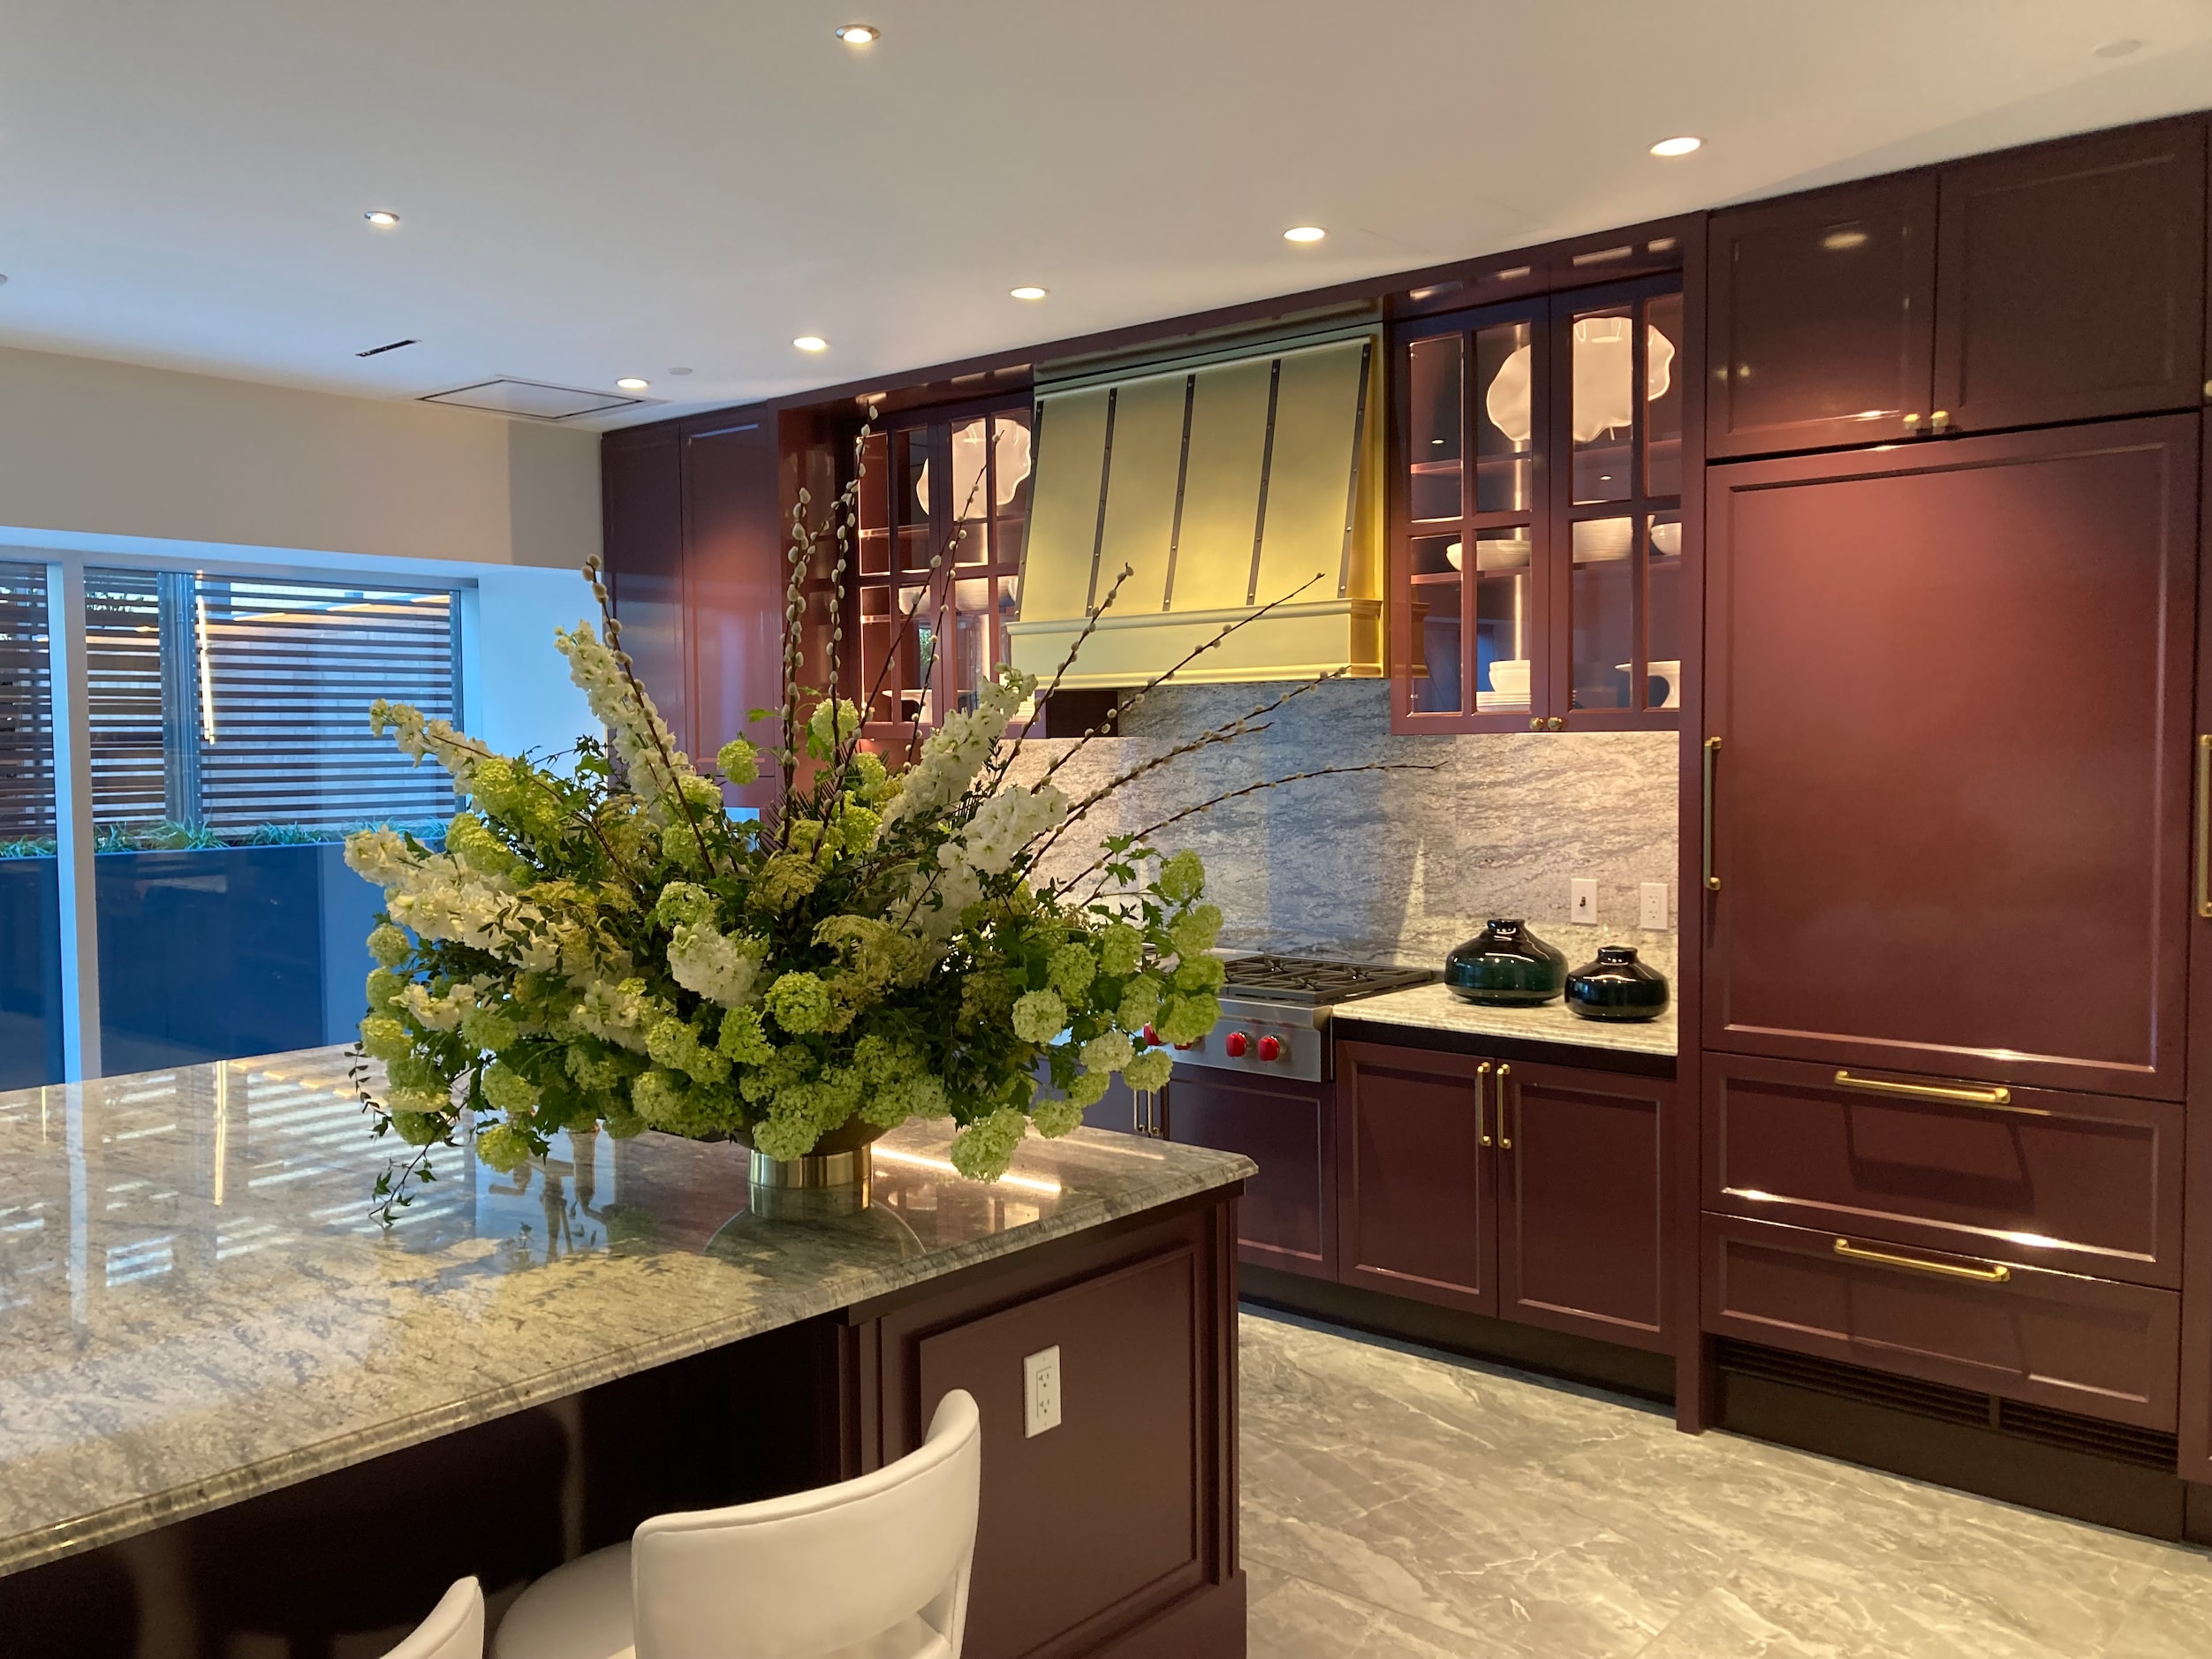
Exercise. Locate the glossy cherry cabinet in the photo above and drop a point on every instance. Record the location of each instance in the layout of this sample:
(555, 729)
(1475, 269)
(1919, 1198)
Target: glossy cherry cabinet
(1287, 1218)
(641, 491)
(1948, 715)
(733, 573)
(2062, 282)
(1524, 1190)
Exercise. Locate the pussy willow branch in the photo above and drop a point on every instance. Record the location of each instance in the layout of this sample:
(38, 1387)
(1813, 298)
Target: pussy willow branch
(999, 766)
(1149, 830)
(1241, 726)
(645, 710)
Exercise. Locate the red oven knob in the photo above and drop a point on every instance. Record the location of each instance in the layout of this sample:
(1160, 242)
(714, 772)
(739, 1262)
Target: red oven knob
(1270, 1048)
(1236, 1045)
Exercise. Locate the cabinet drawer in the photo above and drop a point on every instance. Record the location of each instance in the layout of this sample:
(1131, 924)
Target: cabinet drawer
(2079, 1345)
(2079, 1183)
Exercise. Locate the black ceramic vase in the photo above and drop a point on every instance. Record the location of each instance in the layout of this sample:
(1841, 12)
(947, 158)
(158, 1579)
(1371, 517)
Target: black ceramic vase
(1506, 966)
(1617, 986)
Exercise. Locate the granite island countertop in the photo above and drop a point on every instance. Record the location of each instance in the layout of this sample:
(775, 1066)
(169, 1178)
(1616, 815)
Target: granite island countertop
(1432, 1008)
(196, 1304)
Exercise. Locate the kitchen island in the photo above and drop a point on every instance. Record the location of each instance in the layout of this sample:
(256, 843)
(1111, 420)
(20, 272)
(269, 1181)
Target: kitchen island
(211, 1347)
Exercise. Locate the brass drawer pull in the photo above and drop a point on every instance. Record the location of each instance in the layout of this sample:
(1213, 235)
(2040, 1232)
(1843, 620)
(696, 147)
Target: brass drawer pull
(1481, 1072)
(1712, 753)
(2203, 849)
(1506, 1135)
(1995, 1273)
(1996, 1095)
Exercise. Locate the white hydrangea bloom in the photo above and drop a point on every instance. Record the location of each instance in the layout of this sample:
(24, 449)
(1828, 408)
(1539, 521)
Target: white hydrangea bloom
(658, 770)
(1005, 824)
(715, 965)
(417, 736)
(619, 1014)
(955, 753)
(438, 1013)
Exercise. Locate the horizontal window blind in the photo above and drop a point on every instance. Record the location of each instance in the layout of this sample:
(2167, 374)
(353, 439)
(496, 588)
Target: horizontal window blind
(27, 706)
(237, 702)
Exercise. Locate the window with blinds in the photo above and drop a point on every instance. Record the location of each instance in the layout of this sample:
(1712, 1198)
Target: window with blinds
(237, 703)
(27, 706)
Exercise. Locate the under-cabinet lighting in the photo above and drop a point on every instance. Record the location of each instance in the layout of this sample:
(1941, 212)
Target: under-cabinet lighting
(811, 343)
(1304, 233)
(383, 218)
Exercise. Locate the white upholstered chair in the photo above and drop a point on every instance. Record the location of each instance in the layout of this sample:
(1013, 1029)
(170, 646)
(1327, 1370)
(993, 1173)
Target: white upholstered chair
(875, 1568)
(455, 1629)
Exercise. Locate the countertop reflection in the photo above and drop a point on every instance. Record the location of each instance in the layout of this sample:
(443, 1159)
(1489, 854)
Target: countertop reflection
(197, 1304)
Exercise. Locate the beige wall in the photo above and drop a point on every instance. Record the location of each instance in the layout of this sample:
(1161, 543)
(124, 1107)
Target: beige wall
(112, 449)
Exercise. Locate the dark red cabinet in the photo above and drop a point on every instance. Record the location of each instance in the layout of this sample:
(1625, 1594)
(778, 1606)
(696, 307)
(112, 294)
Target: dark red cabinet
(2062, 282)
(1951, 688)
(641, 492)
(1288, 1216)
(733, 569)
(1531, 1192)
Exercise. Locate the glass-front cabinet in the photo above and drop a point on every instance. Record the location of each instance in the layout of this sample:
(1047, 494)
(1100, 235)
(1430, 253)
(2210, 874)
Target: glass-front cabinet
(942, 511)
(1536, 542)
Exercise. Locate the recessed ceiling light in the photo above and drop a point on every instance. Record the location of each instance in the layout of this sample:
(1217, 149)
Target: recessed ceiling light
(679, 371)
(859, 34)
(811, 343)
(1027, 290)
(2118, 48)
(1304, 233)
(631, 383)
(1681, 146)
(383, 218)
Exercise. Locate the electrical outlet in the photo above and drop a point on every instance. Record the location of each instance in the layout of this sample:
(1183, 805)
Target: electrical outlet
(1040, 1392)
(1582, 900)
(1653, 913)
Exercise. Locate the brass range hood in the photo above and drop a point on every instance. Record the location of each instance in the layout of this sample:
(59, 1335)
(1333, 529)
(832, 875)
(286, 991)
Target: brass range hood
(1223, 483)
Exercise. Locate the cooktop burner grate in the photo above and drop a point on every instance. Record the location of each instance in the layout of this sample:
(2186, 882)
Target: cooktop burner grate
(1312, 982)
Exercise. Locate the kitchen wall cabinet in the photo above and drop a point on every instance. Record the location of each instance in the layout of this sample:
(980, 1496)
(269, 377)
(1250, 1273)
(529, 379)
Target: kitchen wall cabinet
(641, 488)
(2196, 1286)
(2064, 282)
(1536, 514)
(1947, 759)
(1527, 1191)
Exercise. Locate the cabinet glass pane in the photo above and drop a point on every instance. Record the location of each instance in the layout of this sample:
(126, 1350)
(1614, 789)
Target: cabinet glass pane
(910, 477)
(1603, 612)
(1011, 462)
(1604, 404)
(1663, 397)
(1502, 631)
(1436, 688)
(1435, 371)
(1505, 367)
(875, 553)
(982, 607)
(1662, 612)
(874, 503)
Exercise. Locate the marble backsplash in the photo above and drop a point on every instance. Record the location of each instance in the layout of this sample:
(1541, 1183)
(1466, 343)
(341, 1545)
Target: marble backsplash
(1397, 866)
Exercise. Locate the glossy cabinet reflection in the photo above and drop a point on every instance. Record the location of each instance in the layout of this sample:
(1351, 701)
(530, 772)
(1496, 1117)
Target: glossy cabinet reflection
(1537, 544)
(2064, 282)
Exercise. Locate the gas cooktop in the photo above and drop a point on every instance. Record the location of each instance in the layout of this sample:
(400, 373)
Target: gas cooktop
(1312, 982)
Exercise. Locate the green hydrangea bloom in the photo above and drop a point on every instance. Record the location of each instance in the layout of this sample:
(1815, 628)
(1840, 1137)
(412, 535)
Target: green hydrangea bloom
(503, 1147)
(388, 945)
(384, 1037)
(873, 783)
(1148, 1070)
(1089, 1088)
(783, 881)
(1140, 1004)
(743, 1037)
(679, 847)
(1194, 932)
(784, 1139)
(1070, 969)
(1186, 1017)
(739, 760)
(832, 723)
(412, 1073)
(1120, 948)
(383, 989)
(515, 792)
(799, 1002)
(684, 903)
(1107, 1052)
(1182, 878)
(418, 1129)
(679, 1045)
(596, 1069)
(1039, 1016)
(508, 1090)
(1055, 1117)
(488, 1029)
(1201, 974)
(982, 1151)
(858, 825)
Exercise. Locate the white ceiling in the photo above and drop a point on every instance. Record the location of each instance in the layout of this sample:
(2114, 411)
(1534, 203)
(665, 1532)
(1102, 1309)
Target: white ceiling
(594, 188)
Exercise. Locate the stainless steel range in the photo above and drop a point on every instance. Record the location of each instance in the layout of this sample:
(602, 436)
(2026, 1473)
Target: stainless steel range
(1275, 1012)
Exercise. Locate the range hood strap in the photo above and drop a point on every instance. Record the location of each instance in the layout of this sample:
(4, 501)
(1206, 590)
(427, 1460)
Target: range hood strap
(1182, 479)
(1105, 476)
(1266, 464)
(1358, 448)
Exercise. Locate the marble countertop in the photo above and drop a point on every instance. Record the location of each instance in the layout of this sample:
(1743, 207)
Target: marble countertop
(1432, 1008)
(196, 1304)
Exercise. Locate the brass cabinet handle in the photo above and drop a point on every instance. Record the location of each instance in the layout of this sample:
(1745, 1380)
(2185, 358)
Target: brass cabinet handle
(1712, 754)
(1995, 1273)
(1535, 723)
(1557, 723)
(1939, 421)
(1506, 1135)
(2203, 849)
(1956, 1094)
(1481, 1072)
(1911, 423)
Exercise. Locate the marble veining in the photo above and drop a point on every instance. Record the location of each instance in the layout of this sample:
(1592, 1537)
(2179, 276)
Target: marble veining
(1386, 867)
(1432, 1008)
(1403, 1503)
(196, 1304)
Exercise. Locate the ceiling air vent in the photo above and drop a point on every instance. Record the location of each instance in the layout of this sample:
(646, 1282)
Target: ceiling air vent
(534, 398)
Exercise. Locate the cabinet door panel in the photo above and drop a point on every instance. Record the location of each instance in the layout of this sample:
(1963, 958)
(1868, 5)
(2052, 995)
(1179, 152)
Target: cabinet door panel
(642, 510)
(2069, 279)
(1580, 1244)
(1415, 1203)
(2083, 1183)
(733, 562)
(2196, 1299)
(1820, 313)
(1950, 810)
(1287, 1218)
(2079, 1345)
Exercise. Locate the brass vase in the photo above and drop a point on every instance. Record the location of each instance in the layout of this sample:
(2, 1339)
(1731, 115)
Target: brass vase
(835, 1179)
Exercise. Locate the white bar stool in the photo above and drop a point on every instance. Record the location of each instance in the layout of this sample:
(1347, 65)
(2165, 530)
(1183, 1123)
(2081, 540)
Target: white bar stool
(455, 1629)
(875, 1568)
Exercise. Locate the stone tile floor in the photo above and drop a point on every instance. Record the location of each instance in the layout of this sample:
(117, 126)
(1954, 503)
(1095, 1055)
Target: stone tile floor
(1403, 1503)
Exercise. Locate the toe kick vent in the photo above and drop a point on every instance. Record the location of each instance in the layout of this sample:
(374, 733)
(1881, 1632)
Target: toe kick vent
(2145, 1447)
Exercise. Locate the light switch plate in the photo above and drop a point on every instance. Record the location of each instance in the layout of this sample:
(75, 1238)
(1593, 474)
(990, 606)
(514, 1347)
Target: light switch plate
(1040, 1392)
(1652, 912)
(1582, 899)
